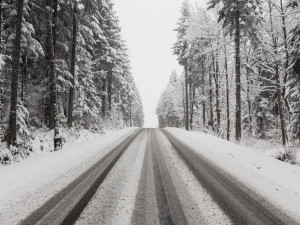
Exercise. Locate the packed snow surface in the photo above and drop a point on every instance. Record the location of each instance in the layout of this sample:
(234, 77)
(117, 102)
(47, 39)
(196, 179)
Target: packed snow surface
(277, 181)
(26, 185)
(113, 202)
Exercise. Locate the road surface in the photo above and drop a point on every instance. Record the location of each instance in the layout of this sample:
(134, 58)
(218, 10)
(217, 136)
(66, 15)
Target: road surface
(155, 178)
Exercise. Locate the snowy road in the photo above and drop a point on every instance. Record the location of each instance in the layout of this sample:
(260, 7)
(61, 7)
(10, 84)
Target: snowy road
(152, 177)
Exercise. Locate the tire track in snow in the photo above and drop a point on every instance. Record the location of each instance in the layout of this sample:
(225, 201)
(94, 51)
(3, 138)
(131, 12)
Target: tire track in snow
(237, 201)
(198, 206)
(66, 206)
(145, 208)
(168, 206)
(113, 202)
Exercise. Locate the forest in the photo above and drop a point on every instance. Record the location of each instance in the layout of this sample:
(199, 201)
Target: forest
(241, 74)
(63, 65)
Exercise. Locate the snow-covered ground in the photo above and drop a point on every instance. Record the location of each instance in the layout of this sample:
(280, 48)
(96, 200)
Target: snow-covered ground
(41, 140)
(26, 185)
(277, 181)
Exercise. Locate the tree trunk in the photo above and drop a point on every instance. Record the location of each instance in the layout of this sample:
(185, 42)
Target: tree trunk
(227, 96)
(54, 35)
(277, 77)
(203, 93)
(73, 64)
(109, 89)
(248, 100)
(287, 57)
(12, 129)
(211, 122)
(186, 98)
(117, 92)
(103, 96)
(54, 21)
(24, 77)
(1, 1)
(238, 112)
(216, 76)
(192, 94)
(130, 116)
(280, 105)
(183, 103)
(52, 72)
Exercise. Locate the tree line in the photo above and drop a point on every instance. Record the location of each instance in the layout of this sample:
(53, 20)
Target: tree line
(241, 70)
(63, 64)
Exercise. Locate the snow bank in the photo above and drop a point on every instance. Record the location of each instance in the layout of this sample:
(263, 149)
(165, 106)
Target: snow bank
(277, 181)
(41, 142)
(28, 184)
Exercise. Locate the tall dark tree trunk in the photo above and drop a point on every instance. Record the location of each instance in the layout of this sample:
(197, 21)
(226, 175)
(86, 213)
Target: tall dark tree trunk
(24, 77)
(1, 2)
(186, 97)
(203, 114)
(109, 89)
(278, 84)
(192, 94)
(216, 76)
(130, 112)
(183, 103)
(287, 56)
(54, 21)
(248, 96)
(52, 73)
(280, 105)
(117, 92)
(238, 112)
(103, 96)
(73, 64)
(211, 119)
(54, 37)
(203, 93)
(249, 101)
(1, 81)
(227, 97)
(12, 129)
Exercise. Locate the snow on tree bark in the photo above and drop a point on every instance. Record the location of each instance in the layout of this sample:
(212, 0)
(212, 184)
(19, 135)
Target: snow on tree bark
(73, 67)
(12, 130)
(52, 73)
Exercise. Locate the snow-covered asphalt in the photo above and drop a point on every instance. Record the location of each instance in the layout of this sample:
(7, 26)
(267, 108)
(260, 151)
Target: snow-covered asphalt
(154, 176)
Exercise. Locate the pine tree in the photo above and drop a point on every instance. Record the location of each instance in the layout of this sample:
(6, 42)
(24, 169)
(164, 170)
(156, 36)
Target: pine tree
(180, 49)
(238, 17)
(48, 69)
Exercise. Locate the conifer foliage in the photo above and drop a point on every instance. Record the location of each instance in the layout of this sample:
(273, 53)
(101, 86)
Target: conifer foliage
(63, 63)
(241, 73)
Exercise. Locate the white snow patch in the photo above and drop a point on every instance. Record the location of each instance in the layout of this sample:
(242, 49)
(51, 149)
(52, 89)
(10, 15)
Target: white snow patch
(277, 181)
(26, 185)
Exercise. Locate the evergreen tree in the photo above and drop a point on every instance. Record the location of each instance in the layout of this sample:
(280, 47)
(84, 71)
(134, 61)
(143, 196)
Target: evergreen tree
(239, 17)
(180, 49)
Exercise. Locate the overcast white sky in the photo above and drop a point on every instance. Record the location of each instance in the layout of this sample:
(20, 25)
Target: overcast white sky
(147, 27)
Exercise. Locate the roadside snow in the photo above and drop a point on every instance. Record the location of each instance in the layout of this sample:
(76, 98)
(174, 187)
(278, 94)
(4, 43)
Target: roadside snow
(41, 141)
(26, 185)
(277, 181)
